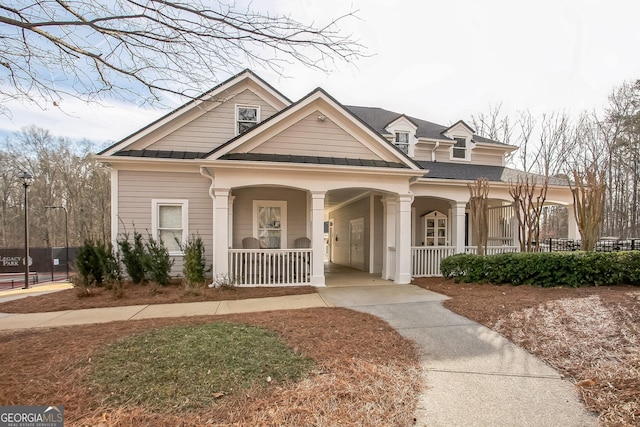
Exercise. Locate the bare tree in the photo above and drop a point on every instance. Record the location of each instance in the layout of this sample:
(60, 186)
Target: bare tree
(588, 191)
(65, 174)
(479, 209)
(528, 200)
(89, 48)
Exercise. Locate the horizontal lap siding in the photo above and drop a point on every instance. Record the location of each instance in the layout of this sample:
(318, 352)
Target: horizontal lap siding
(137, 189)
(243, 211)
(213, 128)
(313, 137)
(341, 218)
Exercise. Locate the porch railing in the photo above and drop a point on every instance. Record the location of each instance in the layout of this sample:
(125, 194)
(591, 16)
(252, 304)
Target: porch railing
(492, 250)
(425, 260)
(270, 267)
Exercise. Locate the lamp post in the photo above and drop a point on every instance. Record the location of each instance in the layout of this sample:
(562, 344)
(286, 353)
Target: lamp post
(27, 180)
(66, 232)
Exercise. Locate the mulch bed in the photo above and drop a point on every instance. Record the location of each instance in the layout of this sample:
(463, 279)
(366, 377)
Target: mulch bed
(143, 294)
(366, 374)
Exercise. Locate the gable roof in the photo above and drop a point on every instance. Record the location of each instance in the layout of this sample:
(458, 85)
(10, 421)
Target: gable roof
(193, 104)
(318, 93)
(379, 119)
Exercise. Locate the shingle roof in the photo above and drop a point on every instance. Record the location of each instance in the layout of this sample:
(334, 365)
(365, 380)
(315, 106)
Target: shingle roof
(317, 160)
(469, 172)
(379, 118)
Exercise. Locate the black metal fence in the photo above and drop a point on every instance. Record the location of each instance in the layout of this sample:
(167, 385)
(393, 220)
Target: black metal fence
(43, 260)
(603, 245)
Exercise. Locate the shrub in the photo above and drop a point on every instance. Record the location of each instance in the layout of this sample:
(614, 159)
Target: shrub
(195, 263)
(91, 262)
(546, 269)
(133, 256)
(157, 262)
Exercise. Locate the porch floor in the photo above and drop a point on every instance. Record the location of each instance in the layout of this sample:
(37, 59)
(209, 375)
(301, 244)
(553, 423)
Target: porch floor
(339, 275)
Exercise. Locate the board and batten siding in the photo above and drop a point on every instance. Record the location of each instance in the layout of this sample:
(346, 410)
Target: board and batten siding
(313, 137)
(136, 189)
(243, 211)
(213, 128)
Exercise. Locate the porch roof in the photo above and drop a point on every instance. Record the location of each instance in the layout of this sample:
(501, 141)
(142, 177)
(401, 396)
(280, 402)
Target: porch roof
(471, 172)
(160, 154)
(316, 160)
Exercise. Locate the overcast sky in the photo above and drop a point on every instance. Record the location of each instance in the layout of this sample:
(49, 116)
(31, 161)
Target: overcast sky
(437, 60)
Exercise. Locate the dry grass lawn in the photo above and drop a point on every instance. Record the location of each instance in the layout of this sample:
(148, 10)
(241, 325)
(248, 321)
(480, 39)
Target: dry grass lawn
(591, 335)
(366, 373)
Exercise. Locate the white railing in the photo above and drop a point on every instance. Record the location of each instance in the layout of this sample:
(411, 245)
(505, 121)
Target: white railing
(267, 267)
(425, 260)
(492, 250)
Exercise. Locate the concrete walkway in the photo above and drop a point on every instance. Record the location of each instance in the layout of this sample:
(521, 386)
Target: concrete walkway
(475, 377)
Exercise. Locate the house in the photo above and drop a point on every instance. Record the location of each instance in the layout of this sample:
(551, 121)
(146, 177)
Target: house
(262, 179)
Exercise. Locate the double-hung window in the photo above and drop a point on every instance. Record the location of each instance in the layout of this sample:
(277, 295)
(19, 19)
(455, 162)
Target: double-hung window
(170, 223)
(402, 141)
(270, 223)
(246, 118)
(460, 148)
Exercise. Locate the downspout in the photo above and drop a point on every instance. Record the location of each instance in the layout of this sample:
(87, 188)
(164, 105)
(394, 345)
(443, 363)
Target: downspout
(433, 152)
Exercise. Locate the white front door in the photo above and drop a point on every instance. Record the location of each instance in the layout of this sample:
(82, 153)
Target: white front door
(356, 243)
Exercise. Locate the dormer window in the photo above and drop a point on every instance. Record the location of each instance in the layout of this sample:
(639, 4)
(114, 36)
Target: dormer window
(246, 118)
(460, 148)
(402, 141)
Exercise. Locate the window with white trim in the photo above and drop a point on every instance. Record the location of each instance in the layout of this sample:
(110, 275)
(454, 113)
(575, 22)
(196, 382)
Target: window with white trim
(402, 141)
(270, 223)
(459, 148)
(247, 116)
(170, 223)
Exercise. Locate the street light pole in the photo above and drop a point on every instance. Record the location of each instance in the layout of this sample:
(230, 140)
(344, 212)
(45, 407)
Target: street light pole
(27, 180)
(66, 232)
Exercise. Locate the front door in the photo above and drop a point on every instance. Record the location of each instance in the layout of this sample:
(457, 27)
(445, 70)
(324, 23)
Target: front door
(356, 243)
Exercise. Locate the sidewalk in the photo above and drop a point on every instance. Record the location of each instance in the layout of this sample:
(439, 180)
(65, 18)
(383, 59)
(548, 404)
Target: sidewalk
(473, 376)
(15, 321)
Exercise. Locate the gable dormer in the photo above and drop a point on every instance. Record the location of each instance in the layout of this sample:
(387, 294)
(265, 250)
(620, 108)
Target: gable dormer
(462, 134)
(403, 132)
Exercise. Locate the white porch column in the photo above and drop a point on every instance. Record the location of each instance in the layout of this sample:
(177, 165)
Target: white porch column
(403, 240)
(389, 204)
(458, 210)
(572, 224)
(317, 238)
(221, 227)
(230, 226)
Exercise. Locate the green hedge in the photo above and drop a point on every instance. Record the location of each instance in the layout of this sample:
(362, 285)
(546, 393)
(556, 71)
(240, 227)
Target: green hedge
(546, 269)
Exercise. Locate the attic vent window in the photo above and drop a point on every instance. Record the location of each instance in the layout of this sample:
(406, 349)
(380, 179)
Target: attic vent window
(402, 141)
(247, 117)
(460, 148)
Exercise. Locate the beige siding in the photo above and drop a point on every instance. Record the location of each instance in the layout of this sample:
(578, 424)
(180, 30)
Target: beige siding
(313, 137)
(341, 218)
(424, 205)
(422, 153)
(378, 233)
(243, 211)
(486, 157)
(137, 189)
(214, 128)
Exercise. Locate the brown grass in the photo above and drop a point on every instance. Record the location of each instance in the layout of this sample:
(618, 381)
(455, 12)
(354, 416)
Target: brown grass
(591, 335)
(367, 373)
(142, 294)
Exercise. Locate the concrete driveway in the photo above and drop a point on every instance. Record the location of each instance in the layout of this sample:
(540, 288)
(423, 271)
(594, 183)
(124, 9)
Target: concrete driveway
(475, 377)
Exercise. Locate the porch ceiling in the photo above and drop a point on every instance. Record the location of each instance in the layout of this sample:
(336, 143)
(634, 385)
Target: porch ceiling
(335, 197)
